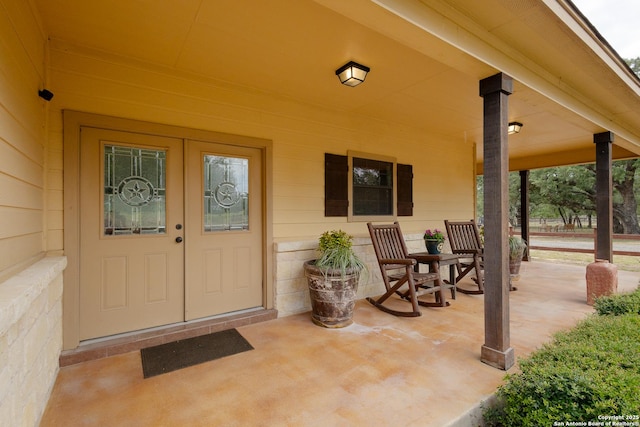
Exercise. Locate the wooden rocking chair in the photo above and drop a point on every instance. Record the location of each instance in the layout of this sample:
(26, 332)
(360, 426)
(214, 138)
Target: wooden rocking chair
(396, 266)
(465, 241)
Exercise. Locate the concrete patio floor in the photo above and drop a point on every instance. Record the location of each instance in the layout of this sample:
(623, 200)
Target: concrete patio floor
(380, 371)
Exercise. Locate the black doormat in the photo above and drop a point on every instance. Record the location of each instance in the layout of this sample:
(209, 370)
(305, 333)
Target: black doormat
(192, 351)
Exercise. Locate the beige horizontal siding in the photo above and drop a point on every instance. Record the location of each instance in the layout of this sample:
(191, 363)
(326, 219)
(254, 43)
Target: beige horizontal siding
(18, 193)
(17, 222)
(18, 250)
(301, 134)
(22, 136)
(15, 163)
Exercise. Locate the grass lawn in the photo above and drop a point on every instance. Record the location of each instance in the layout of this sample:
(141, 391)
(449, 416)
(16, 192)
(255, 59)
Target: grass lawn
(623, 262)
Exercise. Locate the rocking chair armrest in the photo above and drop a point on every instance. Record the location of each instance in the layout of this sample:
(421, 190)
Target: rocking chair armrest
(403, 261)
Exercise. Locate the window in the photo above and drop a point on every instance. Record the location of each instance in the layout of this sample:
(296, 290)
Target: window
(367, 187)
(372, 186)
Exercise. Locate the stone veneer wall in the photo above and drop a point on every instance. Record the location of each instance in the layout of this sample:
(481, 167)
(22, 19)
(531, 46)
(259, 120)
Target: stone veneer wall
(30, 340)
(292, 293)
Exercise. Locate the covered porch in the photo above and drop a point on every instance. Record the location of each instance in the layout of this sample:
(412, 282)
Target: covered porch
(382, 370)
(261, 75)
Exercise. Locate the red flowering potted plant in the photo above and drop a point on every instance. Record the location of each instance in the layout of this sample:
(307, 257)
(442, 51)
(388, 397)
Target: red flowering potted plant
(434, 240)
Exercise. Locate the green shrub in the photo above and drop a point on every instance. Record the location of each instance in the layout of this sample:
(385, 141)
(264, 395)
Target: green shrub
(618, 304)
(336, 252)
(591, 370)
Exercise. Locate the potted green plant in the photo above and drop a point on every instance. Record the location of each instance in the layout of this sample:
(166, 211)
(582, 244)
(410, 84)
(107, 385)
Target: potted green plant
(516, 252)
(434, 240)
(333, 280)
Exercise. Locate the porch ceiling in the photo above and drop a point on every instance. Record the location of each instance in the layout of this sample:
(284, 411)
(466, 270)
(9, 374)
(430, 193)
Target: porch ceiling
(290, 49)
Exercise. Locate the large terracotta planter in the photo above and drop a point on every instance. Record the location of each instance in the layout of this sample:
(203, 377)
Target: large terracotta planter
(333, 295)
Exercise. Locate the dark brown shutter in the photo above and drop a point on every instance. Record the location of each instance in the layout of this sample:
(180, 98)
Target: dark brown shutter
(336, 183)
(405, 190)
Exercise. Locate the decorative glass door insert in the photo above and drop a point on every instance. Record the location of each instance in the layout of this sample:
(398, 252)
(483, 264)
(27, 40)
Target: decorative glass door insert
(226, 193)
(134, 190)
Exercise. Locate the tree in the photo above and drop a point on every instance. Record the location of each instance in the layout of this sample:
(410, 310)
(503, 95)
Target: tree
(568, 191)
(625, 211)
(634, 64)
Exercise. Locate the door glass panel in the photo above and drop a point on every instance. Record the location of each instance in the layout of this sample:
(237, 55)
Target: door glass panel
(134, 191)
(226, 193)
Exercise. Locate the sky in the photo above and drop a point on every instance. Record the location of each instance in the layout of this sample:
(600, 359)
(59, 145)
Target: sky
(618, 21)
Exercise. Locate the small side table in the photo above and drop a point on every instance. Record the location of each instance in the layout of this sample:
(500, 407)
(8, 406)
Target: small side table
(435, 261)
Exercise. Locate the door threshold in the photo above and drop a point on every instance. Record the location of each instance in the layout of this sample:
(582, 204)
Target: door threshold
(132, 341)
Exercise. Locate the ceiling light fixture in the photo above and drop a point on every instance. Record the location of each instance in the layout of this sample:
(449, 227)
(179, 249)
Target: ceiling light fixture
(352, 73)
(514, 127)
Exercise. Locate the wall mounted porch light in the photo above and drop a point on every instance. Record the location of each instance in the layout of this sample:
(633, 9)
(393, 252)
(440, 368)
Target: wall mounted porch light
(514, 127)
(352, 73)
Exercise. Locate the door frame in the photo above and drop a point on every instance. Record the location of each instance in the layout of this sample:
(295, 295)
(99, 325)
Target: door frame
(72, 122)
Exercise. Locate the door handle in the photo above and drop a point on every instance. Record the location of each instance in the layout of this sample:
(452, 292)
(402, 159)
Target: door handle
(178, 239)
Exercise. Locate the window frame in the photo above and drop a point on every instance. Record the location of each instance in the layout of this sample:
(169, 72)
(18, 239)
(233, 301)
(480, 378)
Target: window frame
(351, 217)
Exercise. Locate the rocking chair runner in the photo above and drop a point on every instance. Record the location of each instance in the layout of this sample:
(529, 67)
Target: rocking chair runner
(465, 241)
(396, 266)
